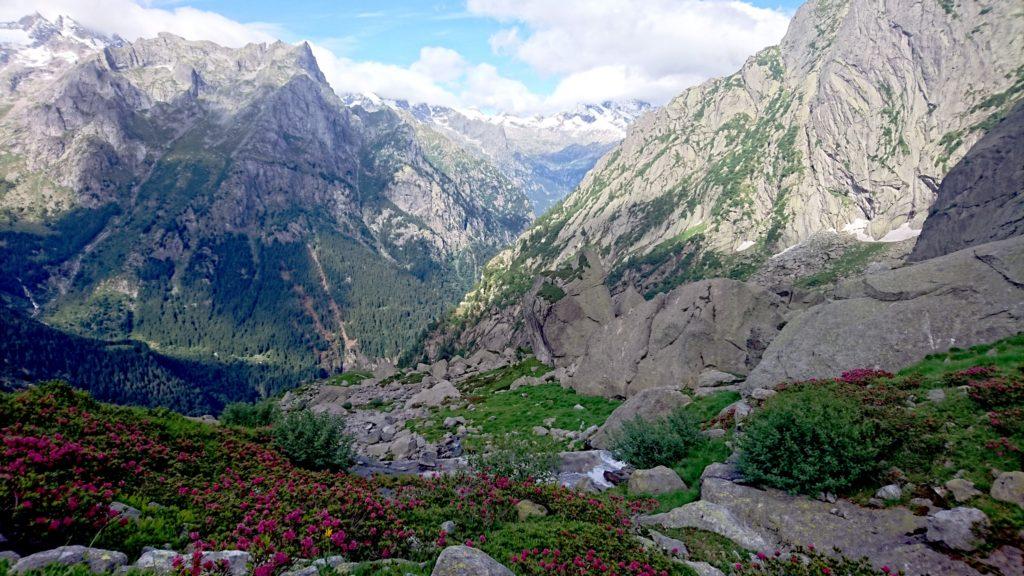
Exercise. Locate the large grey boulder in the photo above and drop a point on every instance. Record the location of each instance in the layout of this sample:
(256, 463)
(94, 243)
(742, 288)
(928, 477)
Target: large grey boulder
(434, 396)
(463, 561)
(1009, 487)
(159, 562)
(713, 518)
(651, 404)
(961, 528)
(670, 340)
(654, 481)
(878, 534)
(981, 199)
(99, 561)
(891, 319)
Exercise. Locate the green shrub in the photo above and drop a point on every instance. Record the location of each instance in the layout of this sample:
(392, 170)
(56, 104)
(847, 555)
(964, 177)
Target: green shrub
(519, 459)
(663, 442)
(258, 415)
(314, 441)
(810, 440)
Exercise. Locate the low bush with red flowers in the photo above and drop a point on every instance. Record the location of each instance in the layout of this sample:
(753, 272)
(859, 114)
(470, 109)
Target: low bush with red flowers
(66, 458)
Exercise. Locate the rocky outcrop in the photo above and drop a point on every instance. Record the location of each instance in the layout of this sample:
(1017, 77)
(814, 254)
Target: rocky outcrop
(657, 480)
(651, 404)
(712, 517)
(463, 560)
(890, 536)
(96, 560)
(891, 319)
(849, 124)
(982, 197)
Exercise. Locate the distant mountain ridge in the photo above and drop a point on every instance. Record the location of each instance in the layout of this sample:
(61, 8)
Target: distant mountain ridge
(224, 205)
(546, 155)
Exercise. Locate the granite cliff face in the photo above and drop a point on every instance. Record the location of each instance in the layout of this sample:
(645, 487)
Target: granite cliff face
(225, 202)
(848, 125)
(982, 197)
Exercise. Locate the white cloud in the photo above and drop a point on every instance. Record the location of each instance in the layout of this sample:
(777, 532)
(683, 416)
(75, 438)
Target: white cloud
(596, 49)
(131, 20)
(441, 64)
(648, 49)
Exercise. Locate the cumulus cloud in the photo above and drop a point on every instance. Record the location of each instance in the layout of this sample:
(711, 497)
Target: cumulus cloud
(649, 49)
(131, 20)
(596, 49)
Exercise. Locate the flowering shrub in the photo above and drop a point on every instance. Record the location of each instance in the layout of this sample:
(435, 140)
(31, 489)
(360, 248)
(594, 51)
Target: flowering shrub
(64, 459)
(810, 440)
(968, 376)
(863, 376)
(997, 392)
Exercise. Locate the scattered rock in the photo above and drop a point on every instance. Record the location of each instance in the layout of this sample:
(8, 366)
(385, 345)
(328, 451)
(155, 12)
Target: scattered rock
(714, 378)
(99, 561)
(651, 404)
(525, 381)
(540, 431)
(529, 509)
(578, 407)
(723, 471)
(962, 490)
(889, 492)
(669, 546)
(714, 433)
(958, 529)
(463, 560)
(448, 526)
(1007, 559)
(434, 396)
(160, 562)
(658, 480)
(762, 394)
(704, 569)
(1009, 487)
(125, 511)
(936, 395)
(439, 369)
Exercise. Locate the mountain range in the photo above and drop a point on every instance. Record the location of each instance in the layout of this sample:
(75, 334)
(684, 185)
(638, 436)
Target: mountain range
(847, 126)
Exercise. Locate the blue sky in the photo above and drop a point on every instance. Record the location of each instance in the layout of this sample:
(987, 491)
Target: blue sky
(516, 56)
(393, 31)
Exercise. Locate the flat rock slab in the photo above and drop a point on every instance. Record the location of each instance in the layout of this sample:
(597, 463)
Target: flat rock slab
(892, 536)
(463, 561)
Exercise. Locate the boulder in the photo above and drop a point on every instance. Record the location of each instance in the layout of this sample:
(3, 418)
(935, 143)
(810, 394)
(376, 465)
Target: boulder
(714, 378)
(658, 480)
(529, 509)
(448, 527)
(962, 490)
(439, 369)
(889, 492)
(712, 517)
(159, 562)
(463, 561)
(1009, 487)
(670, 340)
(704, 569)
(237, 561)
(960, 529)
(434, 396)
(125, 511)
(99, 561)
(1007, 560)
(669, 546)
(880, 535)
(651, 404)
(961, 299)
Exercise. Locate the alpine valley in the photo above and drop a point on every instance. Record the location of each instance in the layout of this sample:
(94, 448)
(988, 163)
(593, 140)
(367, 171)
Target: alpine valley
(252, 322)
